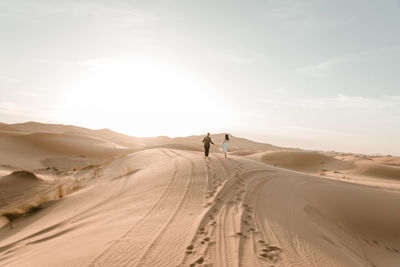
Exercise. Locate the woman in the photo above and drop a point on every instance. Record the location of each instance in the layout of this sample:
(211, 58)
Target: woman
(225, 145)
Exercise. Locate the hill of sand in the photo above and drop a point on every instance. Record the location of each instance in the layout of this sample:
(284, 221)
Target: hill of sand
(306, 161)
(159, 202)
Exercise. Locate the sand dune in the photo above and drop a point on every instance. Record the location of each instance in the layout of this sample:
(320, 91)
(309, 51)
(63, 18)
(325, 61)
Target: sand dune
(305, 161)
(39, 150)
(377, 170)
(389, 160)
(18, 185)
(36, 145)
(168, 206)
(23, 191)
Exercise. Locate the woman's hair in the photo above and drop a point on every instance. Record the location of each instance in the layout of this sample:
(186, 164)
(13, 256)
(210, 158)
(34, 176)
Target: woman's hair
(226, 137)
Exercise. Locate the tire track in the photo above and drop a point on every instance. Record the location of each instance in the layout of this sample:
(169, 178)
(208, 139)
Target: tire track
(104, 255)
(248, 253)
(220, 223)
(223, 247)
(266, 228)
(146, 257)
(297, 252)
(81, 215)
(210, 180)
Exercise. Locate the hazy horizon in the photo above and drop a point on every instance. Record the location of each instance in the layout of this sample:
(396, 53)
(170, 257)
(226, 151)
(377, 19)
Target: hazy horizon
(261, 139)
(319, 75)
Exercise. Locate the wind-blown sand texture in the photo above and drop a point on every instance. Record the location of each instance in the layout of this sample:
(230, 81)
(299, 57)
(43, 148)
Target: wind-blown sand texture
(71, 196)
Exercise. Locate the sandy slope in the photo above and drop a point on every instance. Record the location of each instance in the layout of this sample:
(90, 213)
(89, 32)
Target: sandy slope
(35, 145)
(305, 161)
(39, 150)
(18, 187)
(171, 207)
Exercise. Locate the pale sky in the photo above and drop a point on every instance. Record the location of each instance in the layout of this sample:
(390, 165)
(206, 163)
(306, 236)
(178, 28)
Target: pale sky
(313, 74)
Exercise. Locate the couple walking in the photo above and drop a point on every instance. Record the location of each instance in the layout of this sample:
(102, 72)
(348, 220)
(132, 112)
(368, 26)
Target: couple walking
(207, 141)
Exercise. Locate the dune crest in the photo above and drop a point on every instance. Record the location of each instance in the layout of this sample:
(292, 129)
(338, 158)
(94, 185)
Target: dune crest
(159, 202)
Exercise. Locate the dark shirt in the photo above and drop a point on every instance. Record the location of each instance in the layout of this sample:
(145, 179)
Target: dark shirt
(207, 141)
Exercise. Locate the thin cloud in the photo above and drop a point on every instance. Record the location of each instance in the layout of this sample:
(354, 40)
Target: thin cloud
(295, 17)
(10, 107)
(12, 112)
(94, 63)
(340, 102)
(326, 67)
(242, 56)
(32, 94)
(310, 133)
(9, 79)
(320, 69)
(119, 14)
(355, 103)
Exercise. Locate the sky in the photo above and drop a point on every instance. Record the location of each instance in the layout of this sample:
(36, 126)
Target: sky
(313, 74)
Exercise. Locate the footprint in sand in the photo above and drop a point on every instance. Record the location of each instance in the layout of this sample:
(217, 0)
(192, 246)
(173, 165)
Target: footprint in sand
(207, 204)
(200, 260)
(269, 257)
(392, 250)
(189, 249)
(269, 252)
(202, 231)
(205, 240)
(209, 194)
(366, 241)
(376, 243)
(273, 248)
(264, 255)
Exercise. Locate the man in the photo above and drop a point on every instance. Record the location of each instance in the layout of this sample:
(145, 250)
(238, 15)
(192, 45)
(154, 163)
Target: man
(207, 141)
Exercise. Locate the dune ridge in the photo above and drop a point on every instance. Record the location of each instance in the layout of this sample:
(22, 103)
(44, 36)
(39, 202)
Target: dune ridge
(161, 203)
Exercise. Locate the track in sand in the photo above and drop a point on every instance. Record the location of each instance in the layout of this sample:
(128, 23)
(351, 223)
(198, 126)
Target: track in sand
(165, 207)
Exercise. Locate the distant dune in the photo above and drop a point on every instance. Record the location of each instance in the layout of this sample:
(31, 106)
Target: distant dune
(306, 161)
(71, 196)
(378, 171)
(17, 184)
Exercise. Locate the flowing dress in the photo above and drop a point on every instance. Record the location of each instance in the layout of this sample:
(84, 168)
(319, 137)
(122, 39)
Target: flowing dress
(225, 146)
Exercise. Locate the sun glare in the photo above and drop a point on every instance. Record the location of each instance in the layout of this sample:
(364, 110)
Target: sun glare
(142, 97)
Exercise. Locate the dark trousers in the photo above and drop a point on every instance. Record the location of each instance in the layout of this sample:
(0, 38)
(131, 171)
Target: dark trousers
(206, 150)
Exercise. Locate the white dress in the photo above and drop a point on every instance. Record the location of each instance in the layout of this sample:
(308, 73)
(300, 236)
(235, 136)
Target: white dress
(224, 146)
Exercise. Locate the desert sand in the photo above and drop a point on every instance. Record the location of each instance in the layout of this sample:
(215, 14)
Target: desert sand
(71, 196)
